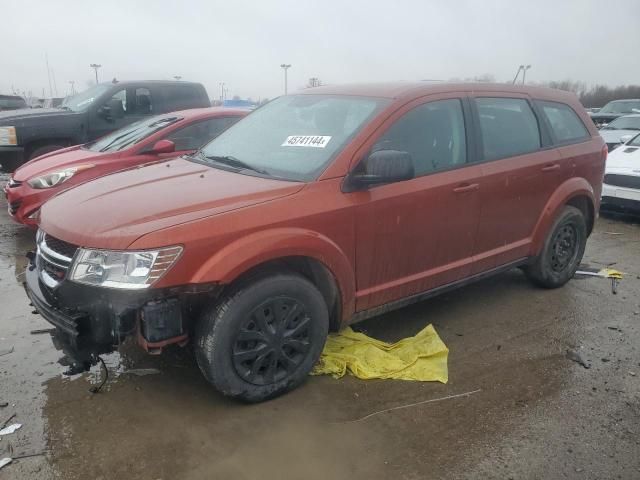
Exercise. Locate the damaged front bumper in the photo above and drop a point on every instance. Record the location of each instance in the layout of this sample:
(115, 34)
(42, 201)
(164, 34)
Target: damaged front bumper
(90, 321)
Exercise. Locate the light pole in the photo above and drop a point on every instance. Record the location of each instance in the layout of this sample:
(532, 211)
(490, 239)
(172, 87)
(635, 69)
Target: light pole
(95, 67)
(73, 88)
(524, 72)
(285, 67)
(221, 91)
(517, 73)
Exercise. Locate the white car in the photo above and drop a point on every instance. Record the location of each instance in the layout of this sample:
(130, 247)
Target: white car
(620, 130)
(621, 186)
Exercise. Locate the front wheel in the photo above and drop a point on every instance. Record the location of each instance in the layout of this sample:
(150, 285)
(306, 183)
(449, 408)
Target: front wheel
(264, 338)
(562, 251)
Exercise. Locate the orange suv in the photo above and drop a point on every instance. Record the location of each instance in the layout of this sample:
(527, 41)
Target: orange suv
(317, 210)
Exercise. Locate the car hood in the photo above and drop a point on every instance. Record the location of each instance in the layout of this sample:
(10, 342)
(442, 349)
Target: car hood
(606, 115)
(57, 160)
(613, 136)
(624, 158)
(113, 211)
(27, 115)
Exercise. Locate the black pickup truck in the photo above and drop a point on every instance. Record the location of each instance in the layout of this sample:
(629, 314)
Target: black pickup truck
(29, 133)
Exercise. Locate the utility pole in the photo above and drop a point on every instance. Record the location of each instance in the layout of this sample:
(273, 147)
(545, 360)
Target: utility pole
(73, 89)
(95, 67)
(46, 58)
(221, 91)
(517, 73)
(55, 85)
(524, 72)
(285, 67)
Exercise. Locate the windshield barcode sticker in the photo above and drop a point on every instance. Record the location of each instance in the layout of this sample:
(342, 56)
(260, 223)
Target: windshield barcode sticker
(316, 141)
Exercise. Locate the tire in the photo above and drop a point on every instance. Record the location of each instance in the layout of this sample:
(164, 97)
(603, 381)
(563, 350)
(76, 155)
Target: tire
(562, 251)
(248, 352)
(44, 150)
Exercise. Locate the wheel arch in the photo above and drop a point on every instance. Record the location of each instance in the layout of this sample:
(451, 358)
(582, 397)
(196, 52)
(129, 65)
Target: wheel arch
(305, 252)
(576, 192)
(35, 144)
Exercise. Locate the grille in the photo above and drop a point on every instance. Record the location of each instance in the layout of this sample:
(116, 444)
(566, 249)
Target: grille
(626, 181)
(60, 246)
(14, 206)
(54, 259)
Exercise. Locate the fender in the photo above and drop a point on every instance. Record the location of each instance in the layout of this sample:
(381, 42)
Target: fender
(574, 187)
(252, 250)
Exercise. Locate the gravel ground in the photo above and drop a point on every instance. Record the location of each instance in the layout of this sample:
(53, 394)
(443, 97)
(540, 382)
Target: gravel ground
(537, 413)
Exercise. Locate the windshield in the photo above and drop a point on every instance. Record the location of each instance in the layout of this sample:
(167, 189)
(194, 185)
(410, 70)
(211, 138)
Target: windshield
(293, 137)
(621, 107)
(131, 134)
(624, 123)
(634, 142)
(81, 101)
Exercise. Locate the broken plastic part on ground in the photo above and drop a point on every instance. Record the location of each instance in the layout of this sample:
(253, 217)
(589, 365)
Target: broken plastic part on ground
(10, 429)
(422, 357)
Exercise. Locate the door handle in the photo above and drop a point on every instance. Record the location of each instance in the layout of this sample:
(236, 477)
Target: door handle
(466, 188)
(551, 168)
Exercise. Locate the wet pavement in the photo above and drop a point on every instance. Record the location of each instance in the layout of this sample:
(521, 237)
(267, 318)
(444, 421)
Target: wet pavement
(537, 414)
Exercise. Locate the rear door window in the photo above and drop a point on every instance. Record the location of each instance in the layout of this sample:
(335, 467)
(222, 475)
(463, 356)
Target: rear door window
(508, 127)
(565, 124)
(194, 136)
(433, 134)
(143, 103)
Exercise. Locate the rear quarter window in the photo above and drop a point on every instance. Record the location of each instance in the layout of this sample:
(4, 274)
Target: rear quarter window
(182, 97)
(508, 127)
(565, 124)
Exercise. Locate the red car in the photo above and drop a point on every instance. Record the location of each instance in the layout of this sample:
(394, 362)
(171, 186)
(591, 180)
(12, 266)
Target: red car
(146, 141)
(318, 210)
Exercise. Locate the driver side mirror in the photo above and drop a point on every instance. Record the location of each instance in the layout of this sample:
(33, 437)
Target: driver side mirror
(383, 166)
(162, 146)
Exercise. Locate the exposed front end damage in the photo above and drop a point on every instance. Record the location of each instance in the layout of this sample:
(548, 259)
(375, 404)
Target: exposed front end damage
(90, 321)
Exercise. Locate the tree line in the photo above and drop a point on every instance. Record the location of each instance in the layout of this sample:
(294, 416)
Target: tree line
(594, 96)
(597, 95)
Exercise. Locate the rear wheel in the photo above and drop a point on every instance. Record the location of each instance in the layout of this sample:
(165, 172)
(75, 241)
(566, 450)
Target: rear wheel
(562, 251)
(264, 338)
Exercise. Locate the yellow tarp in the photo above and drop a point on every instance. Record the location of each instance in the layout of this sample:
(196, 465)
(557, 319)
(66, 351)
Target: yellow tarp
(421, 358)
(610, 273)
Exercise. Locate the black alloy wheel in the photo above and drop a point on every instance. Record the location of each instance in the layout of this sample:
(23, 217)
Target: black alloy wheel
(273, 341)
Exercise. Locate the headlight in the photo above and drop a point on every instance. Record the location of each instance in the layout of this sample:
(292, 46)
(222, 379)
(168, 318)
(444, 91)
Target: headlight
(8, 136)
(52, 179)
(122, 269)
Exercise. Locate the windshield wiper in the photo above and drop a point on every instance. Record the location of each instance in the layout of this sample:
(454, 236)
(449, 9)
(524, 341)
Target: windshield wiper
(234, 162)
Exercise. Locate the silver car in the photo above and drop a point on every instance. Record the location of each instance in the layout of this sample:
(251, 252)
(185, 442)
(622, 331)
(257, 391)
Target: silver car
(621, 130)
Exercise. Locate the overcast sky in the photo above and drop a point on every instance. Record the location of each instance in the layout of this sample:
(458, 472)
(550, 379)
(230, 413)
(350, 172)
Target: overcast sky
(243, 43)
